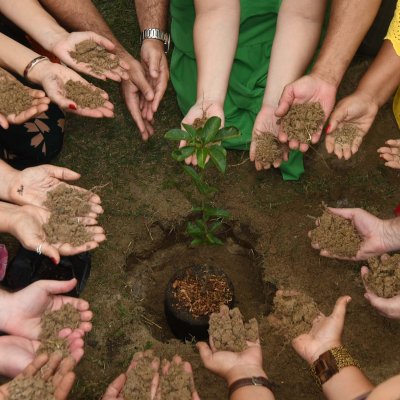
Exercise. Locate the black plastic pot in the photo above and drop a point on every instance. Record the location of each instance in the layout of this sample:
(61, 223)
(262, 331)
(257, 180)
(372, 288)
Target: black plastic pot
(182, 323)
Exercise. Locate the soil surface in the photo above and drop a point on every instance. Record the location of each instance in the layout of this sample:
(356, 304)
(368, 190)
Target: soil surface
(52, 323)
(336, 235)
(384, 276)
(84, 96)
(30, 388)
(176, 384)
(293, 314)
(302, 121)
(66, 205)
(229, 331)
(14, 97)
(346, 134)
(138, 384)
(269, 149)
(89, 52)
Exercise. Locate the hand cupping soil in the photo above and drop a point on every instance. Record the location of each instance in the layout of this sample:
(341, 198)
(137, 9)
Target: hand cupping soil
(336, 235)
(52, 323)
(30, 388)
(302, 121)
(229, 332)
(346, 134)
(268, 148)
(14, 97)
(293, 313)
(84, 96)
(66, 204)
(384, 276)
(89, 52)
(176, 384)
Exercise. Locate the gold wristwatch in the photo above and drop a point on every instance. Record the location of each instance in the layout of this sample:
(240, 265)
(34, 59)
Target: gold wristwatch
(154, 33)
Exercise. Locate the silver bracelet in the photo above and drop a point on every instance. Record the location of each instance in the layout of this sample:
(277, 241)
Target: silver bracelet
(34, 62)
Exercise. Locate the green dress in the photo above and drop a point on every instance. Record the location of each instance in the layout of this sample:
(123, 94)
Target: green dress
(249, 72)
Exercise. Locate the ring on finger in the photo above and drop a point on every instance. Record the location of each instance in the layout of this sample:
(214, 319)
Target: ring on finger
(39, 248)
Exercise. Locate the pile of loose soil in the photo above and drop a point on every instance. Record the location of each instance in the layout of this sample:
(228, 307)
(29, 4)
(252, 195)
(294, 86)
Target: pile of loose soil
(336, 235)
(14, 97)
(66, 205)
(201, 294)
(229, 332)
(89, 52)
(52, 323)
(268, 148)
(384, 276)
(302, 121)
(346, 134)
(177, 384)
(84, 96)
(138, 384)
(30, 388)
(293, 313)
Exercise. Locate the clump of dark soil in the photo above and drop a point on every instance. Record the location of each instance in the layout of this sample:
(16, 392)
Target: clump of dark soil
(268, 148)
(89, 52)
(201, 294)
(199, 122)
(138, 384)
(293, 313)
(52, 323)
(336, 235)
(302, 121)
(176, 384)
(14, 97)
(30, 388)
(384, 276)
(66, 205)
(346, 134)
(229, 332)
(84, 96)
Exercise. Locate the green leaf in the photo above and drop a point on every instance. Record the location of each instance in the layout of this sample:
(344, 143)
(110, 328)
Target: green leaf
(183, 153)
(177, 135)
(216, 212)
(197, 242)
(214, 240)
(227, 133)
(218, 157)
(211, 128)
(202, 187)
(201, 155)
(195, 231)
(190, 130)
(192, 173)
(215, 226)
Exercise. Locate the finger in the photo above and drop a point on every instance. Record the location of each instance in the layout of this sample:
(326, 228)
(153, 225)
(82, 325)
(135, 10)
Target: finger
(159, 94)
(56, 287)
(143, 85)
(4, 122)
(62, 173)
(154, 65)
(330, 144)
(35, 365)
(177, 359)
(66, 365)
(282, 136)
(384, 150)
(338, 116)
(64, 388)
(393, 164)
(338, 151)
(303, 147)
(285, 101)
(253, 147)
(379, 303)
(294, 144)
(346, 151)
(50, 251)
(51, 366)
(154, 385)
(205, 353)
(315, 137)
(114, 389)
(356, 144)
(339, 311)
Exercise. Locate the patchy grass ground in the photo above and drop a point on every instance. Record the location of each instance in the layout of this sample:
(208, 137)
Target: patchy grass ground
(145, 197)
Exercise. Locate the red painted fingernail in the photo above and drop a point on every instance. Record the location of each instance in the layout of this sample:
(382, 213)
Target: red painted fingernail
(328, 129)
(72, 107)
(397, 210)
(54, 261)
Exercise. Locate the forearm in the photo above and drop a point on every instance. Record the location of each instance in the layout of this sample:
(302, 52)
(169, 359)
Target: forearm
(6, 212)
(7, 175)
(392, 234)
(296, 40)
(383, 76)
(348, 384)
(152, 14)
(216, 32)
(30, 16)
(349, 22)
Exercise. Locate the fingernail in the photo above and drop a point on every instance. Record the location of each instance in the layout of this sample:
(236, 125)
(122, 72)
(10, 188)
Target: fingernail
(72, 107)
(54, 261)
(328, 129)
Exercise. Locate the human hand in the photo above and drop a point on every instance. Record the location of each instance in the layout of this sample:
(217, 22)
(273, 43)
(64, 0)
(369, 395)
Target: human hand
(135, 90)
(391, 154)
(389, 308)
(265, 122)
(26, 224)
(18, 352)
(325, 334)
(31, 185)
(63, 44)
(23, 310)
(54, 369)
(308, 89)
(39, 104)
(155, 65)
(53, 78)
(357, 109)
(114, 390)
(200, 110)
(377, 235)
(186, 367)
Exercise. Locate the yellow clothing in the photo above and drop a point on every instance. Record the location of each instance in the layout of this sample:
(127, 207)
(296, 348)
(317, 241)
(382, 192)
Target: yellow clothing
(394, 36)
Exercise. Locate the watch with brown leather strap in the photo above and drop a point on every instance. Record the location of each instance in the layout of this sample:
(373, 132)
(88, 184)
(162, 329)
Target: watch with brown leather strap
(253, 381)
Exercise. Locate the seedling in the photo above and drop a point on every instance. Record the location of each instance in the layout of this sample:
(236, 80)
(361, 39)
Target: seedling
(206, 144)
